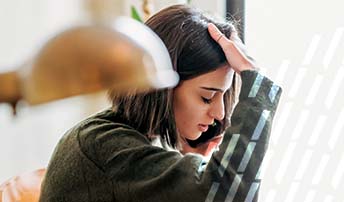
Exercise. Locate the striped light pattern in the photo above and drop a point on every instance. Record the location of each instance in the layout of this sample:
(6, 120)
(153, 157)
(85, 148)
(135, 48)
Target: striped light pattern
(252, 192)
(247, 157)
(225, 161)
(234, 187)
(212, 192)
(228, 154)
(256, 86)
(308, 133)
(260, 126)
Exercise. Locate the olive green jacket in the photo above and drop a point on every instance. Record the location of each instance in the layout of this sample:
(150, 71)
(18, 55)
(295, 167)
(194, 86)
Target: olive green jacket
(102, 159)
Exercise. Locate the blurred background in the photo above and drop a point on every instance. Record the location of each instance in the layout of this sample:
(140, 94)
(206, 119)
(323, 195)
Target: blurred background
(298, 44)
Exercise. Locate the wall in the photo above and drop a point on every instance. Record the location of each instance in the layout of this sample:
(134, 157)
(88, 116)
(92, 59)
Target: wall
(28, 139)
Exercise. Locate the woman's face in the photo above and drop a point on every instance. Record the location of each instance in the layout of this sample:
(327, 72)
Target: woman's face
(199, 101)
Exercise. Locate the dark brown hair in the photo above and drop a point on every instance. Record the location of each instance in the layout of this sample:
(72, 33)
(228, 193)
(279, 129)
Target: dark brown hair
(193, 52)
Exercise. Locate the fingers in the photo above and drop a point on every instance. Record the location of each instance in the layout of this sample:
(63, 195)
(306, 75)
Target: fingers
(217, 35)
(225, 43)
(235, 51)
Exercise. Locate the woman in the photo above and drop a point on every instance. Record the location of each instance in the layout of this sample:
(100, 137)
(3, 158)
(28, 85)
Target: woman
(144, 148)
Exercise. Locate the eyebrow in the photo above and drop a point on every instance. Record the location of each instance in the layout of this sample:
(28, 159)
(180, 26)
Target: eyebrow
(212, 89)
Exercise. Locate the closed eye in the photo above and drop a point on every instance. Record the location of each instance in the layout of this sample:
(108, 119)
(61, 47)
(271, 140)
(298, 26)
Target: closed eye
(206, 101)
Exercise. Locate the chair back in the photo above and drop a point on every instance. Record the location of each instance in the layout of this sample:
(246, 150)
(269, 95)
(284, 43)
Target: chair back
(22, 188)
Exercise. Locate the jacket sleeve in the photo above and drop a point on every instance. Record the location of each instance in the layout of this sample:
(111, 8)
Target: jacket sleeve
(141, 172)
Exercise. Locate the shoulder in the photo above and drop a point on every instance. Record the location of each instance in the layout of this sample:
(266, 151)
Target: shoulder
(101, 135)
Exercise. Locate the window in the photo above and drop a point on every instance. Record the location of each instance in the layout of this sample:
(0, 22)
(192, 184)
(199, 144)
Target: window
(300, 45)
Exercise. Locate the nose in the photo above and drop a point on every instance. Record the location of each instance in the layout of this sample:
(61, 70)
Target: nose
(217, 110)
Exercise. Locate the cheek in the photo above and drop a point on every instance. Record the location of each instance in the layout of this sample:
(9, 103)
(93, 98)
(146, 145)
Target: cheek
(188, 114)
(183, 112)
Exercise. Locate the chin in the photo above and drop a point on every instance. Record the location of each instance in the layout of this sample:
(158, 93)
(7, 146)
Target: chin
(194, 136)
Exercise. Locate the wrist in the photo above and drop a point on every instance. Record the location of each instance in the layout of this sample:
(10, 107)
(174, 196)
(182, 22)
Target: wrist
(248, 67)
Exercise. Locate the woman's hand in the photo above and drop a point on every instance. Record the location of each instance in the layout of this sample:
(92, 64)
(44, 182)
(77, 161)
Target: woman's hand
(206, 149)
(231, 47)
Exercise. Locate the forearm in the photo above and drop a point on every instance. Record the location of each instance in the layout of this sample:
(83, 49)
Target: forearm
(240, 156)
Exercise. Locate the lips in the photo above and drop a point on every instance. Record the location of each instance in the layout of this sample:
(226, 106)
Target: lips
(203, 127)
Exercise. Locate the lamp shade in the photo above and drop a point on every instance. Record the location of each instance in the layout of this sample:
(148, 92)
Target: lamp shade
(124, 56)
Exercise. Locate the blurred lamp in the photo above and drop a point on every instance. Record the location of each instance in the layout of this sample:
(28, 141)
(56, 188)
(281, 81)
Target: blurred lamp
(124, 56)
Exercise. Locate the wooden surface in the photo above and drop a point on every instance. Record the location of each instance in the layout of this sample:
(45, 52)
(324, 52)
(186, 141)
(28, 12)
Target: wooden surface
(22, 188)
